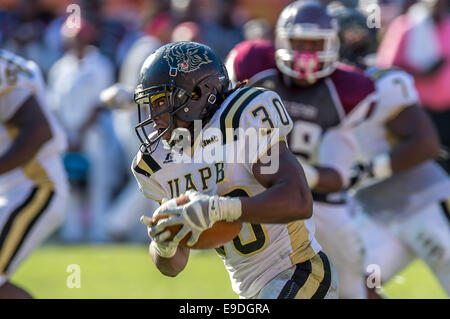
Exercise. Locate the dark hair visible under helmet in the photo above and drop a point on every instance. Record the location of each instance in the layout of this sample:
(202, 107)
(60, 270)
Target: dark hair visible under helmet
(178, 71)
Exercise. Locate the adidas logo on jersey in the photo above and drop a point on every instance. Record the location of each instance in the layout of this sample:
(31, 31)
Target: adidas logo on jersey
(169, 158)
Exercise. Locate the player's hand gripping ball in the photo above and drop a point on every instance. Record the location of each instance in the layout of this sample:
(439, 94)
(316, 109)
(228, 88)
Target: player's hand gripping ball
(219, 234)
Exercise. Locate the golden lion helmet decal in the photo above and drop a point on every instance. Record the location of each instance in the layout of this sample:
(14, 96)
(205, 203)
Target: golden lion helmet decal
(186, 57)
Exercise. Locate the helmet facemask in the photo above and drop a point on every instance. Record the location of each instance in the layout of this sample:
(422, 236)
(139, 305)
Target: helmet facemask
(174, 99)
(308, 65)
(179, 83)
(187, 107)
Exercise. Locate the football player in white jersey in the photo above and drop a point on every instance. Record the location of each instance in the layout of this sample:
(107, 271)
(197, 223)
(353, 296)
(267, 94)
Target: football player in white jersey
(275, 254)
(319, 93)
(399, 186)
(33, 184)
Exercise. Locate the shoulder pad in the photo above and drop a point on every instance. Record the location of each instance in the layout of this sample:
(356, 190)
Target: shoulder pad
(231, 114)
(144, 164)
(249, 58)
(352, 86)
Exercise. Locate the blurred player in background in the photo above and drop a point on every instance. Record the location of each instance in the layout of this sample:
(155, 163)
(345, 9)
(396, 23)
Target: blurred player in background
(74, 85)
(275, 255)
(399, 185)
(129, 204)
(33, 184)
(418, 42)
(319, 94)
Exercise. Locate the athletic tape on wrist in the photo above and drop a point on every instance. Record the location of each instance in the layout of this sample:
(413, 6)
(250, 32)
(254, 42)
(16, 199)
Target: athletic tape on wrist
(230, 208)
(381, 166)
(312, 175)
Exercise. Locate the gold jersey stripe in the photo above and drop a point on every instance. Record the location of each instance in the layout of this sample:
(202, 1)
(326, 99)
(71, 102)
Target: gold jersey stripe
(33, 170)
(12, 131)
(146, 164)
(229, 117)
(22, 218)
(314, 279)
(226, 118)
(143, 166)
(6, 91)
(301, 245)
(395, 112)
(391, 138)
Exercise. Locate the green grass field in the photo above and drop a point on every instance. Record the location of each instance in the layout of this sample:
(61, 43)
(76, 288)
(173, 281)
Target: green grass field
(126, 271)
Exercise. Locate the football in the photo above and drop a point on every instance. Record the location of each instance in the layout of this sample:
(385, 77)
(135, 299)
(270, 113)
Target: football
(219, 234)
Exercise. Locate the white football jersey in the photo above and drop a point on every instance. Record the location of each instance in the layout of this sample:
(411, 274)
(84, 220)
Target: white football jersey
(395, 91)
(260, 251)
(408, 191)
(19, 79)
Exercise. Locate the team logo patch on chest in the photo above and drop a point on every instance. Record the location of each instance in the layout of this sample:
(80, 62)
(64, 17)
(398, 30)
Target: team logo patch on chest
(186, 57)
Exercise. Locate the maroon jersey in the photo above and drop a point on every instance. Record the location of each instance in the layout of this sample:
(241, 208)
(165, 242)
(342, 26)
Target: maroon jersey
(316, 108)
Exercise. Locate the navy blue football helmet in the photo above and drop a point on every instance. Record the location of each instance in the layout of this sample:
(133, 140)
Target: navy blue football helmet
(192, 79)
(303, 21)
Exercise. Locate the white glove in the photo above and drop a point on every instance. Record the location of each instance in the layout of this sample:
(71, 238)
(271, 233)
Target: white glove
(163, 248)
(199, 214)
(365, 174)
(117, 96)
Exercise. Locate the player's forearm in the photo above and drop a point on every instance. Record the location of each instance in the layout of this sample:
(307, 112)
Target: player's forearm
(322, 179)
(25, 146)
(170, 267)
(281, 203)
(329, 180)
(287, 196)
(413, 152)
(419, 140)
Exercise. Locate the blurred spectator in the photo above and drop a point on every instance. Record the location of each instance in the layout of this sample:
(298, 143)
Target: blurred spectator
(7, 23)
(257, 29)
(187, 31)
(418, 41)
(156, 33)
(25, 27)
(218, 28)
(74, 83)
(125, 210)
(266, 9)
